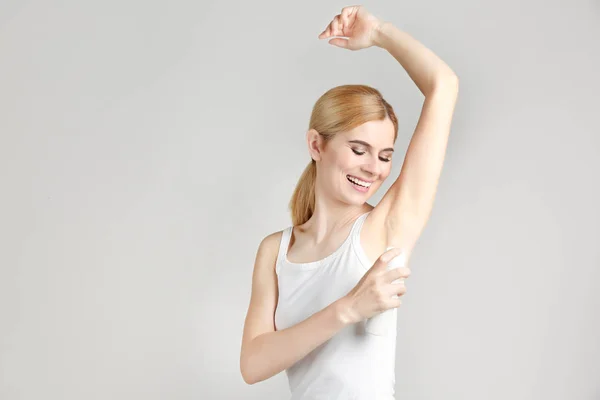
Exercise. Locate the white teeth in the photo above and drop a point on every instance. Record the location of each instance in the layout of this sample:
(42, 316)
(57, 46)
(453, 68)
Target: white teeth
(359, 182)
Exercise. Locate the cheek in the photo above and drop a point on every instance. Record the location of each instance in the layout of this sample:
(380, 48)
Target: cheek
(342, 162)
(334, 167)
(387, 170)
(343, 159)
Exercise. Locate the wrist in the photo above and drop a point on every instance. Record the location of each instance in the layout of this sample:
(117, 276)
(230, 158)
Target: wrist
(380, 32)
(343, 311)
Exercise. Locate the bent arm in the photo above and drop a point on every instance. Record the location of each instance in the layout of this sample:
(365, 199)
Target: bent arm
(266, 352)
(404, 210)
(273, 352)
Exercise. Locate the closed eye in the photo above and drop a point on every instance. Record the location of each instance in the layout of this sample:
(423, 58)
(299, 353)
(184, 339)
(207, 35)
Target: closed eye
(361, 153)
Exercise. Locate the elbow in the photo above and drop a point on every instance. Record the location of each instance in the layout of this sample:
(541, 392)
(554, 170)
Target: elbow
(447, 82)
(253, 366)
(251, 375)
(248, 379)
(246, 372)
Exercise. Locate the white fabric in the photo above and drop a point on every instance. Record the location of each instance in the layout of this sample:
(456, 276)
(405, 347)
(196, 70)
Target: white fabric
(353, 364)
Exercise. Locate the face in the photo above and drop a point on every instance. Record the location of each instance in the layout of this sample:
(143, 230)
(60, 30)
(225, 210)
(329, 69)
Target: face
(354, 164)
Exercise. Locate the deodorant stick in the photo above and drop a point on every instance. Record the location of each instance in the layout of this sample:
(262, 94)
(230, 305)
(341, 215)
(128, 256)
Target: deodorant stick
(382, 323)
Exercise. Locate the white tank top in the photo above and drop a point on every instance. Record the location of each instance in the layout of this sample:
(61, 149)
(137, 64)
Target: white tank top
(353, 364)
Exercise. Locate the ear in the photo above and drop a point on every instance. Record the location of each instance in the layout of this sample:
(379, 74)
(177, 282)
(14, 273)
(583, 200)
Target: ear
(315, 144)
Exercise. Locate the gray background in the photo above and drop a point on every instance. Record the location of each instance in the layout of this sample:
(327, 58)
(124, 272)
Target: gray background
(147, 147)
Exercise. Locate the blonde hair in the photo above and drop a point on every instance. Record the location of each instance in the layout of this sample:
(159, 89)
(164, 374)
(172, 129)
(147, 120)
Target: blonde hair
(341, 108)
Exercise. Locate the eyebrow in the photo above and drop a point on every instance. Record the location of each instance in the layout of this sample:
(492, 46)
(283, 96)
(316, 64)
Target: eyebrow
(368, 145)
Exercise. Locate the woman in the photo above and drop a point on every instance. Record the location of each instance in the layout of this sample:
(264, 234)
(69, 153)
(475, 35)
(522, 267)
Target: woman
(314, 286)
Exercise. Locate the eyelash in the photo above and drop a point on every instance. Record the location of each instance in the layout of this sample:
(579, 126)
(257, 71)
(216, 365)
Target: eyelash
(360, 154)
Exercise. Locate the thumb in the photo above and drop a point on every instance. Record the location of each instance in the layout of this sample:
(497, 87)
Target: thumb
(387, 256)
(343, 43)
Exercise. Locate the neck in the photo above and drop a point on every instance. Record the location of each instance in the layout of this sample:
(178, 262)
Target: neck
(330, 216)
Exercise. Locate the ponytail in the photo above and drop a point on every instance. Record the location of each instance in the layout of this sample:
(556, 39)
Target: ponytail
(302, 203)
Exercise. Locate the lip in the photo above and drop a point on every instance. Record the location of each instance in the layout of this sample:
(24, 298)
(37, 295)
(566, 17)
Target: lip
(362, 179)
(359, 188)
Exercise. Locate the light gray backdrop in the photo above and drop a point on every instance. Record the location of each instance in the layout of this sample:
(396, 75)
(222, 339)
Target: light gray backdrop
(147, 147)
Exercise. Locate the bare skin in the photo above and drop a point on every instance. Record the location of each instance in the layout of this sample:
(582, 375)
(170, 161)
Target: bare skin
(397, 220)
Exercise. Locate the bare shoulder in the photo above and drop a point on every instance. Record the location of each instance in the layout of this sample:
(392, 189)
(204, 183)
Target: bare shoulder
(269, 246)
(264, 293)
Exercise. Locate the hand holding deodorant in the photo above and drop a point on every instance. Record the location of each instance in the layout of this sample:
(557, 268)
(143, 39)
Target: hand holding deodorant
(381, 323)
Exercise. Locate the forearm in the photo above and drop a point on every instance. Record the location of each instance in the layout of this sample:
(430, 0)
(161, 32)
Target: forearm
(425, 68)
(273, 352)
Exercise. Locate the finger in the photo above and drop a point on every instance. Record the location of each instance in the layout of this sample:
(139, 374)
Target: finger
(397, 273)
(398, 261)
(335, 26)
(326, 33)
(349, 11)
(398, 289)
(345, 17)
(343, 43)
(395, 302)
(386, 257)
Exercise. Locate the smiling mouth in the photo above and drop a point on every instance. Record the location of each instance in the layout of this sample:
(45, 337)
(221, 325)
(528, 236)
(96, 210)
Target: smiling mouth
(355, 181)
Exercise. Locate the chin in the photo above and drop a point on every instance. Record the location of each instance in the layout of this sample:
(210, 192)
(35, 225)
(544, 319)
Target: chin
(358, 200)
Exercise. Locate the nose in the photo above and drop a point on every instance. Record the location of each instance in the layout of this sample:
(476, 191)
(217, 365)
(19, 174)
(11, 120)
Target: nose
(371, 167)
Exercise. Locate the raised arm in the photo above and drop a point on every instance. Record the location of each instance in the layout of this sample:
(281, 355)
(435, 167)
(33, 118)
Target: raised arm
(404, 210)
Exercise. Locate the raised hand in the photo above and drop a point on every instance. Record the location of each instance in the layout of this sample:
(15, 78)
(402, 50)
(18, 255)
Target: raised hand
(355, 23)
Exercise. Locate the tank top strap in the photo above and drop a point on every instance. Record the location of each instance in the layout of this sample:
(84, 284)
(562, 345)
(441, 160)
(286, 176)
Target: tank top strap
(355, 240)
(283, 247)
(357, 226)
